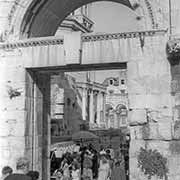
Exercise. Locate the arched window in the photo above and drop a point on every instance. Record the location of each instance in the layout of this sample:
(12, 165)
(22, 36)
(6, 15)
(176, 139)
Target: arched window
(109, 115)
(111, 82)
(121, 115)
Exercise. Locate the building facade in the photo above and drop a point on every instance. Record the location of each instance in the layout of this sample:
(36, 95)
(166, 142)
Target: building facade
(117, 103)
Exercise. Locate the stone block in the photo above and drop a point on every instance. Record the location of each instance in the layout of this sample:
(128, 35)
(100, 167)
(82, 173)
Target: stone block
(136, 86)
(12, 127)
(12, 58)
(174, 177)
(137, 116)
(149, 68)
(132, 70)
(150, 131)
(5, 8)
(177, 99)
(176, 129)
(161, 146)
(135, 146)
(135, 172)
(174, 147)
(174, 166)
(150, 101)
(165, 130)
(4, 142)
(159, 101)
(136, 132)
(176, 111)
(12, 74)
(160, 115)
(16, 103)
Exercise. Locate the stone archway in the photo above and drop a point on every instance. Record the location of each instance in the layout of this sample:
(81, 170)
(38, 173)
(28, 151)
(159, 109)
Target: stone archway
(148, 97)
(41, 18)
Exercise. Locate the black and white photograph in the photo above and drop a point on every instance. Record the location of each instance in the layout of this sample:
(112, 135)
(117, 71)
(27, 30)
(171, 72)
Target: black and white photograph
(90, 89)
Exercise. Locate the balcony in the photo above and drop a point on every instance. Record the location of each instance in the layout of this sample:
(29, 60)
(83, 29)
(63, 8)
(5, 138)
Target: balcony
(79, 22)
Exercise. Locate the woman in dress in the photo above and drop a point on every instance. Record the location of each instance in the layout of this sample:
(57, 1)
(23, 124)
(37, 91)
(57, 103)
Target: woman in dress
(118, 171)
(87, 168)
(76, 174)
(104, 169)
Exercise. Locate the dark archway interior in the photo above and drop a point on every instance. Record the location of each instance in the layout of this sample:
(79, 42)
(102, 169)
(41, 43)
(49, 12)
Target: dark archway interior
(44, 16)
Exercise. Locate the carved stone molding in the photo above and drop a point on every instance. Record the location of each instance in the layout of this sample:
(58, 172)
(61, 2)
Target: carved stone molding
(32, 42)
(99, 37)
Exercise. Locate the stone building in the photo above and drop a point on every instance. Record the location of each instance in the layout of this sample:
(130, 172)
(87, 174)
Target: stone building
(28, 57)
(67, 110)
(117, 100)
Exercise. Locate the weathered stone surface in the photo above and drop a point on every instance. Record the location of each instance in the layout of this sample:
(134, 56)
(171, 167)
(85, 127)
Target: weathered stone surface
(10, 75)
(16, 103)
(150, 131)
(134, 86)
(135, 146)
(165, 130)
(135, 172)
(176, 115)
(174, 147)
(161, 131)
(136, 132)
(176, 130)
(137, 116)
(151, 101)
(160, 115)
(174, 161)
(161, 146)
(177, 99)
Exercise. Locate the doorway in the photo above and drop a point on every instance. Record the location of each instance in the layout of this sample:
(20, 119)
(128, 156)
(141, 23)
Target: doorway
(55, 112)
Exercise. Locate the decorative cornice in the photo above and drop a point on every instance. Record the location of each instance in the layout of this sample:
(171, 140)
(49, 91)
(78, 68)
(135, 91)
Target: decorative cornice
(32, 42)
(100, 37)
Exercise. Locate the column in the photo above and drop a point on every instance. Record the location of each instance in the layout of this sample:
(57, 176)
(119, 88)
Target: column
(98, 108)
(91, 108)
(103, 106)
(84, 103)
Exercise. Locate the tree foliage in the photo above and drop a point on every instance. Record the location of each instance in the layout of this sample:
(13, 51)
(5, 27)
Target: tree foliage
(152, 163)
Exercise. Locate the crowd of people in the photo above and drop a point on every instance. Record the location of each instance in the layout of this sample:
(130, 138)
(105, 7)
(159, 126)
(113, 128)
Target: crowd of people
(86, 163)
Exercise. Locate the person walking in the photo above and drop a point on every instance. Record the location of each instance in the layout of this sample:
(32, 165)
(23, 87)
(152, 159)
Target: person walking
(22, 167)
(104, 169)
(118, 171)
(6, 171)
(33, 174)
(95, 164)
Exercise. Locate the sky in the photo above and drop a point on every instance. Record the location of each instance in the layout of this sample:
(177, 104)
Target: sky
(112, 17)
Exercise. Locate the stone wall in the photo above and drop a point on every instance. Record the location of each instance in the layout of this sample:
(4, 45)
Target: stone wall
(21, 111)
(151, 105)
(13, 112)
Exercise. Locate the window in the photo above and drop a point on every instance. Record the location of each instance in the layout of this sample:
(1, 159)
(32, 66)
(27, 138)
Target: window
(68, 101)
(101, 115)
(122, 91)
(121, 114)
(111, 91)
(122, 81)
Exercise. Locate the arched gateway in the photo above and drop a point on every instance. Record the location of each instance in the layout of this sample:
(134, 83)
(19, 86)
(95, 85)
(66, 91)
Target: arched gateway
(25, 82)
